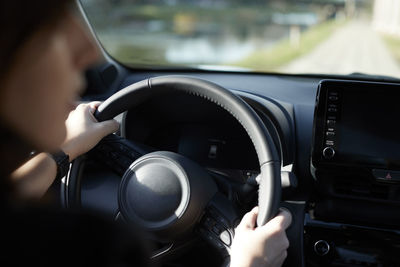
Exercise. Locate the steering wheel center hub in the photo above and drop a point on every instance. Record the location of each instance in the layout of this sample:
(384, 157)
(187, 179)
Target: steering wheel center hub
(154, 192)
(157, 192)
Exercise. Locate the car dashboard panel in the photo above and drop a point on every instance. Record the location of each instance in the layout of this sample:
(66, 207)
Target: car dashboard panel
(355, 162)
(356, 140)
(356, 125)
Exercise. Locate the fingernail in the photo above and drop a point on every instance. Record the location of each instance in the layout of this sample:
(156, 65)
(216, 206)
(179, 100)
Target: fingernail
(284, 209)
(289, 214)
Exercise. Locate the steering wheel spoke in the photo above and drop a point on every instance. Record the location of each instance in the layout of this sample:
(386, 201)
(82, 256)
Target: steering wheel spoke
(118, 153)
(218, 224)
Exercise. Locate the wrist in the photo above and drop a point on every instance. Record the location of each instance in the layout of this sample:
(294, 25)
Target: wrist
(62, 161)
(67, 150)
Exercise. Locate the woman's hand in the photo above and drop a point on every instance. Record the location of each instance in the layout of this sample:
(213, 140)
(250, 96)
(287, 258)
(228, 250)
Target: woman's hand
(260, 246)
(83, 130)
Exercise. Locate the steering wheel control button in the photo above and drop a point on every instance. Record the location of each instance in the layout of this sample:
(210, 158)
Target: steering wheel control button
(219, 219)
(216, 230)
(321, 248)
(328, 153)
(116, 153)
(210, 238)
(209, 223)
(386, 175)
(212, 227)
(225, 237)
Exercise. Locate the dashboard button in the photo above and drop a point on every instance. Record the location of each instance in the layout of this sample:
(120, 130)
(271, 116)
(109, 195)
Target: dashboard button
(328, 152)
(331, 123)
(329, 142)
(330, 134)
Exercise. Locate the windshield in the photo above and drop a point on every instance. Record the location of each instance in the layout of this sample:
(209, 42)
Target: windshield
(315, 37)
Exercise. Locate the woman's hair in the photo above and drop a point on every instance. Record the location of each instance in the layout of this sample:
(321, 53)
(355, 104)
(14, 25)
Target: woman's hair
(19, 20)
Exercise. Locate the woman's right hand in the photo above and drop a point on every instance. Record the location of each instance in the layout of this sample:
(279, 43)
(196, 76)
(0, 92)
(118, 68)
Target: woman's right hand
(260, 246)
(83, 130)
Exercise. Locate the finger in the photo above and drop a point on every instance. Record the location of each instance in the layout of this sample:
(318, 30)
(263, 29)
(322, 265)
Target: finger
(95, 104)
(108, 127)
(249, 219)
(88, 111)
(283, 219)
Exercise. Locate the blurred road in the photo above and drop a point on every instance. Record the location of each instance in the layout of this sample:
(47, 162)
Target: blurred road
(353, 48)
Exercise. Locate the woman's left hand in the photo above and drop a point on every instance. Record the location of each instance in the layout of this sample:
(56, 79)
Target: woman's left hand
(84, 131)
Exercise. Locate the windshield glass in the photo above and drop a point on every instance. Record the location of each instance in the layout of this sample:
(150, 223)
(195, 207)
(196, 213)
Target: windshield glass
(321, 36)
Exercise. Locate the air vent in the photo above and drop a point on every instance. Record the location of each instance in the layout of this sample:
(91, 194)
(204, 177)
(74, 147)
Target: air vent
(361, 187)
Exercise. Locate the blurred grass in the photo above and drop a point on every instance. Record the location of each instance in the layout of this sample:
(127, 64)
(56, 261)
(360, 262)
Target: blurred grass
(140, 55)
(282, 53)
(393, 44)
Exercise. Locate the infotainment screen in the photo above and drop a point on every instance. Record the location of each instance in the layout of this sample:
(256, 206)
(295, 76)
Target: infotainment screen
(357, 123)
(370, 123)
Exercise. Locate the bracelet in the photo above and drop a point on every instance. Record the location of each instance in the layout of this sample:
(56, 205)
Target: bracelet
(62, 161)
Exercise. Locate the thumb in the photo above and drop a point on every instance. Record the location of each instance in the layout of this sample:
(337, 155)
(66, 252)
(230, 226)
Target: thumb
(282, 221)
(108, 127)
(249, 219)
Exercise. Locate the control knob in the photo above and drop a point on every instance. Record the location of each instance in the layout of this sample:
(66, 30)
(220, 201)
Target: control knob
(328, 152)
(321, 247)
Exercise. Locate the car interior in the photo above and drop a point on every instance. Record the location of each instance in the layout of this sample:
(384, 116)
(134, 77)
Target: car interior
(199, 147)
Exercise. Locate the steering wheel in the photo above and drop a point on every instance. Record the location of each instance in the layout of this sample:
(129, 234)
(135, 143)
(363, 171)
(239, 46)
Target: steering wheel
(166, 193)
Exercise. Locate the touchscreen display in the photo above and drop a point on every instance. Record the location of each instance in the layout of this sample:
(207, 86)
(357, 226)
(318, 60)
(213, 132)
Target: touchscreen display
(370, 123)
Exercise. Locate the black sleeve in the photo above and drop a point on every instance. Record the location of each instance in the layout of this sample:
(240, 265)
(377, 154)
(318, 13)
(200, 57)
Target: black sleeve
(60, 238)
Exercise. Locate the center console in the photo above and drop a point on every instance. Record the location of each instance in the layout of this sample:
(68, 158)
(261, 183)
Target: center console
(355, 160)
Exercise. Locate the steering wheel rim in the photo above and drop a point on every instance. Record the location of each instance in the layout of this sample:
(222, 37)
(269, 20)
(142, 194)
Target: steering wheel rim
(269, 195)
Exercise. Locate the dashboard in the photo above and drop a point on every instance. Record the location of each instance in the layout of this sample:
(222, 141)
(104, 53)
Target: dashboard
(351, 217)
(355, 160)
(193, 127)
(205, 132)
